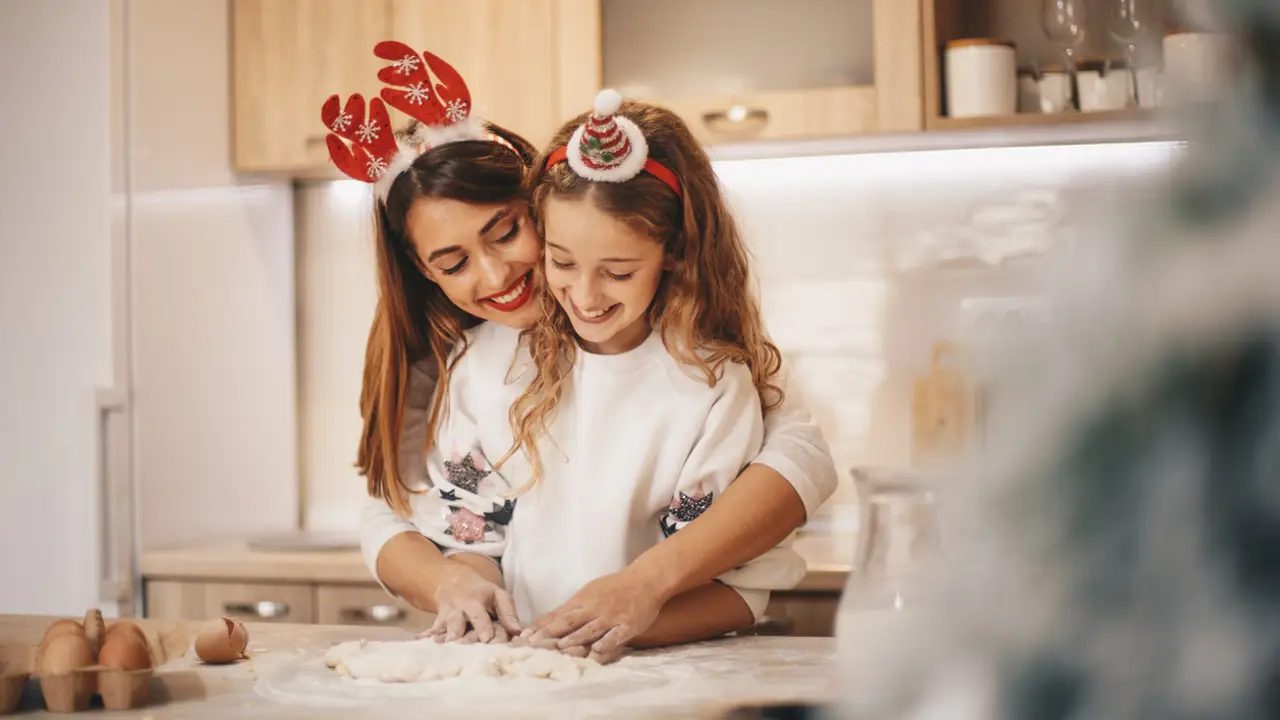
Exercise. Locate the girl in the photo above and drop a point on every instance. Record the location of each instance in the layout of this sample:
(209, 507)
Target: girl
(454, 250)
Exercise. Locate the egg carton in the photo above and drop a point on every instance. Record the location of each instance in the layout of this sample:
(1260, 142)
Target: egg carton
(74, 691)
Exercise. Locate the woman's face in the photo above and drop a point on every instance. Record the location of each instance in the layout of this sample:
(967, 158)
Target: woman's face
(603, 273)
(481, 256)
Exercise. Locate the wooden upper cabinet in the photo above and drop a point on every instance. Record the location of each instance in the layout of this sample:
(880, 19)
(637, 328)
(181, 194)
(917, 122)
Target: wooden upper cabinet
(288, 56)
(740, 70)
(508, 52)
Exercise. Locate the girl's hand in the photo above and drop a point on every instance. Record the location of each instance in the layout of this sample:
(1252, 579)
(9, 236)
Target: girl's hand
(466, 601)
(603, 616)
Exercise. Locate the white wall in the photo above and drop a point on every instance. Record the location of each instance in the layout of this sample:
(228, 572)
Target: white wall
(846, 249)
(55, 297)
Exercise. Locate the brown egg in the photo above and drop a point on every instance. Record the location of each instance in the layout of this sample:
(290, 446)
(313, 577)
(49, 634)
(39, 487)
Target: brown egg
(125, 650)
(64, 653)
(125, 626)
(222, 641)
(60, 627)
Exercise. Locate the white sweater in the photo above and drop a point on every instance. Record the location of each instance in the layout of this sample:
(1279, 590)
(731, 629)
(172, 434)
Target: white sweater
(639, 447)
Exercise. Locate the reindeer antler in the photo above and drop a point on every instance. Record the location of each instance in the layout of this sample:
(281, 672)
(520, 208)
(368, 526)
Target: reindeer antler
(448, 102)
(373, 144)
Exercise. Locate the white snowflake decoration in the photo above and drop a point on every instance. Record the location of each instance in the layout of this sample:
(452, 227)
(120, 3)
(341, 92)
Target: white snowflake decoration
(368, 132)
(417, 93)
(342, 122)
(407, 64)
(455, 111)
(376, 167)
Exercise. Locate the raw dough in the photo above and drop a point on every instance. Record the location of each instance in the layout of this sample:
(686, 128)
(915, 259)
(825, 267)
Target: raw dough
(427, 660)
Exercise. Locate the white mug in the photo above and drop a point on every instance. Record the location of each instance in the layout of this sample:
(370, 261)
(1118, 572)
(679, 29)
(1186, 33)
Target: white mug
(1055, 92)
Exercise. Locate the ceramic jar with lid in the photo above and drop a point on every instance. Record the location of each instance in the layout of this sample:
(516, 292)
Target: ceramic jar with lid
(981, 77)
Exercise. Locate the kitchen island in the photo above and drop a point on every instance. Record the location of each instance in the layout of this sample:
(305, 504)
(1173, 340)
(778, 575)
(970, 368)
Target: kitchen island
(284, 677)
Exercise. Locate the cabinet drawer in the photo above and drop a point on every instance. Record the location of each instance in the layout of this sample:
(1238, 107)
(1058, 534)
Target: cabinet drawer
(250, 602)
(367, 605)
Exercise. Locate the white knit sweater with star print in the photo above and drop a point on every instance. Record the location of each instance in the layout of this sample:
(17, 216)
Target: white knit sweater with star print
(639, 447)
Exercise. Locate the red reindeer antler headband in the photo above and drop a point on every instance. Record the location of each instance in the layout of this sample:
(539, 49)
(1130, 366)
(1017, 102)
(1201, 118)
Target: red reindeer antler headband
(443, 110)
(609, 147)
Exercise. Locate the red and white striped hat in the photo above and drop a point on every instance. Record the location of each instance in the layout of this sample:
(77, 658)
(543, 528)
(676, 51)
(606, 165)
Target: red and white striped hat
(609, 147)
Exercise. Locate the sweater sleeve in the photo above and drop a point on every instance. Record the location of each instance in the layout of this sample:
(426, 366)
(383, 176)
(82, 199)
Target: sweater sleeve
(730, 437)
(795, 448)
(458, 502)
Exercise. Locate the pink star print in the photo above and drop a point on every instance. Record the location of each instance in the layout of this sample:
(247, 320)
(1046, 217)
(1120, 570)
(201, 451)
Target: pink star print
(466, 526)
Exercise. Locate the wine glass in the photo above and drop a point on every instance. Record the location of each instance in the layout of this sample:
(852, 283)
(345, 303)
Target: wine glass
(1128, 21)
(1064, 24)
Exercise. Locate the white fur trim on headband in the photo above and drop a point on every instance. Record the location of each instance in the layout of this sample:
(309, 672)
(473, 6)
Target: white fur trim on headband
(430, 136)
(624, 171)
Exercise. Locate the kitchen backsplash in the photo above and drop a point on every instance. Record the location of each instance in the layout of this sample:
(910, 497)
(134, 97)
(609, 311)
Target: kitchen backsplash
(862, 260)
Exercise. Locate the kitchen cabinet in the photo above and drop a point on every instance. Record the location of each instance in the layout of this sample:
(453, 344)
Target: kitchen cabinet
(1019, 22)
(743, 70)
(288, 56)
(250, 602)
(508, 52)
(800, 613)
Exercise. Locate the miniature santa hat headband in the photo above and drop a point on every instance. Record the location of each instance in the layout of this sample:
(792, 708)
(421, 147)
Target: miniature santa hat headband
(368, 150)
(611, 148)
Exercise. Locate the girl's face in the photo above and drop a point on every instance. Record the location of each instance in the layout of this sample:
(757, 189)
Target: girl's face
(481, 256)
(602, 272)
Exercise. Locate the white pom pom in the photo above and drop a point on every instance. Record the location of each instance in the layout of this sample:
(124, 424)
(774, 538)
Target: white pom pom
(607, 103)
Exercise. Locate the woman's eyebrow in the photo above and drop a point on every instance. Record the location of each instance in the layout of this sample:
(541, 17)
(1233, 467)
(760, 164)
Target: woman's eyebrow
(497, 218)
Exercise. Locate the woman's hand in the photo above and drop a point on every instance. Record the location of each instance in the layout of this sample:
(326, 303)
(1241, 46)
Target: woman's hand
(466, 601)
(603, 617)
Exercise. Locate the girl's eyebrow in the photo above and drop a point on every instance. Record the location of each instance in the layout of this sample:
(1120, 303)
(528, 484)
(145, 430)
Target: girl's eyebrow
(608, 260)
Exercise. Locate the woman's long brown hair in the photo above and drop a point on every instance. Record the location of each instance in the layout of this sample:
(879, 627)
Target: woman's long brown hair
(704, 307)
(413, 318)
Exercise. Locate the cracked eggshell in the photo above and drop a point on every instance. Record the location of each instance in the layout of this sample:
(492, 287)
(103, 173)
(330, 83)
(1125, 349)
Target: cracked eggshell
(222, 641)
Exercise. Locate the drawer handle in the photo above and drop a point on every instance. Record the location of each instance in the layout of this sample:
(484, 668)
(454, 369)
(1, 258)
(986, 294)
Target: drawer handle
(315, 140)
(736, 118)
(374, 613)
(265, 609)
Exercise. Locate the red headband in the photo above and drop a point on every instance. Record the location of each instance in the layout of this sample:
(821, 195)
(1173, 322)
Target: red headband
(651, 166)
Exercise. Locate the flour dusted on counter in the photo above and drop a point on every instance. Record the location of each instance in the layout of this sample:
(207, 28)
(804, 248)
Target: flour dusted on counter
(427, 660)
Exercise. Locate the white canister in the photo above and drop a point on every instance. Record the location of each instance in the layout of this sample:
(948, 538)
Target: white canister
(981, 77)
(1197, 65)
(1104, 85)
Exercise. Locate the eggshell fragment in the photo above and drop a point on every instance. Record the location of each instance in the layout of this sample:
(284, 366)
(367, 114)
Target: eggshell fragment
(125, 650)
(65, 653)
(222, 641)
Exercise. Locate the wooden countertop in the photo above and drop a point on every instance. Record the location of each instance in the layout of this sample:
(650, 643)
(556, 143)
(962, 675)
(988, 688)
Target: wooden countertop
(829, 556)
(283, 678)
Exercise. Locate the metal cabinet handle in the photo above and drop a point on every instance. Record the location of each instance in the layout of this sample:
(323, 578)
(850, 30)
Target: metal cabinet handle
(265, 609)
(737, 118)
(382, 614)
(314, 140)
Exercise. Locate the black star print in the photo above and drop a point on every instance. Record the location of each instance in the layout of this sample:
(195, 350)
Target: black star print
(449, 495)
(690, 509)
(501, 514)
(464, 473)
(668, 526)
